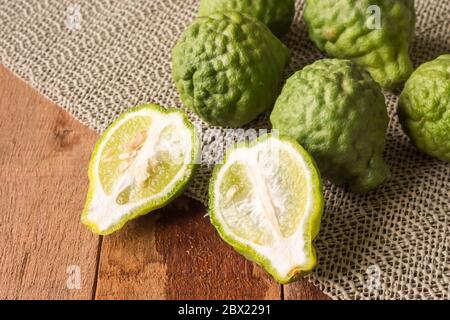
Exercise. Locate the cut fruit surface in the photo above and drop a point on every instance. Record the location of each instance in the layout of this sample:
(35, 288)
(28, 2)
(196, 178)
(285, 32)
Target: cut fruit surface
(142, 162)
(266, 201)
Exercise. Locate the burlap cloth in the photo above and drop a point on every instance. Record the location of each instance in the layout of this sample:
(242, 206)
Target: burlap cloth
(97, 58)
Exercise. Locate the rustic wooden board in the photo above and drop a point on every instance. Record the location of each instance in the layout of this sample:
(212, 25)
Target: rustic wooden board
(303, 290)
(176, 254)
(172, 254)
(43, 156)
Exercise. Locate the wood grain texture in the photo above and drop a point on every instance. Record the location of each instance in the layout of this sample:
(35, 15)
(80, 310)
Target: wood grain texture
(174, 253)
(43, 156)
(303, 290)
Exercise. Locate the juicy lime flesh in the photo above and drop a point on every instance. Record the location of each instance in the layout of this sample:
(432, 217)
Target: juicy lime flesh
(240, 209)
(158, 169)
(265, 201)
(108, 170)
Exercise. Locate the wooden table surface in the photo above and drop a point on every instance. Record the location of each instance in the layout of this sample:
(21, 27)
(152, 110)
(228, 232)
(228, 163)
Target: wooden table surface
(46, 253)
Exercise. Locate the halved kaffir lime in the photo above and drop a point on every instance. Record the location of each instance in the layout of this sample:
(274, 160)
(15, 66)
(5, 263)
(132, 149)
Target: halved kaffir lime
(266, 200)
(144, 160)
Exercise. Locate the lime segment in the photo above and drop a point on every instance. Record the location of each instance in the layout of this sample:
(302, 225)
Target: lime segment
(143, 160)
(266, 201)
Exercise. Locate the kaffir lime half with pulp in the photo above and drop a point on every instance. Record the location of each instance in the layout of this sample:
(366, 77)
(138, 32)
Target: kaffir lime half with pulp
(142, 162)
(266, 201)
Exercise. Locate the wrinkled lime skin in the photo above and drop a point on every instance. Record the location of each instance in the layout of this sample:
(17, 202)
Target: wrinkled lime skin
(275, 14)
(424, 108)
(338, 113)
(227, 68)
(341, 28)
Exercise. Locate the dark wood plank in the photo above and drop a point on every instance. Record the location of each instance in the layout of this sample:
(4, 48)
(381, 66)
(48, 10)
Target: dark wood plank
(303, 290)
(176, 254)
(43, 157)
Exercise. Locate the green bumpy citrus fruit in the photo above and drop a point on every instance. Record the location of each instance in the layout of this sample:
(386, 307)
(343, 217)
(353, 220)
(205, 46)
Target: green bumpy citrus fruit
(338, 113)
(424, 108)
(276, 14)
(227, 68)
(376, 34)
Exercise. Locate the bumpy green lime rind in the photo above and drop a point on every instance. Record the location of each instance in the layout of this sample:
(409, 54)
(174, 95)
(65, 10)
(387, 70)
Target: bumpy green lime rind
(227, 68)
(149, 206)
(313, 222)
(424, 108)
(335, 110)
(277, 15)
(348, 29)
